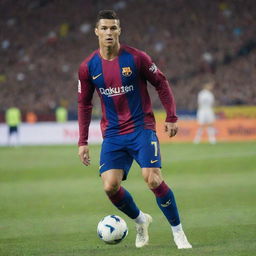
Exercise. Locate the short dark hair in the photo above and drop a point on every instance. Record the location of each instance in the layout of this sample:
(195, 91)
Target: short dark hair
(106, 14)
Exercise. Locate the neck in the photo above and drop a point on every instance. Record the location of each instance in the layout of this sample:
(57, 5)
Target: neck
(109, 53)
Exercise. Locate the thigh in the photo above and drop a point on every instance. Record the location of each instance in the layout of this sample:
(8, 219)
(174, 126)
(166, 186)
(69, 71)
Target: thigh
(205, 116)
(147, 154)
(114, 156)
(113, 175)
(210, 117)
(201, 116)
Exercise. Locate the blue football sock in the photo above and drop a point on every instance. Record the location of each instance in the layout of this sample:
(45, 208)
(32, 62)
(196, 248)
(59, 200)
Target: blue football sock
(166, 202)
(125, 203)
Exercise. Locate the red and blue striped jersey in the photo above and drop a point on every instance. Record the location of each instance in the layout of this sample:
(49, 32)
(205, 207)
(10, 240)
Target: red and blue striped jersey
(122, 87)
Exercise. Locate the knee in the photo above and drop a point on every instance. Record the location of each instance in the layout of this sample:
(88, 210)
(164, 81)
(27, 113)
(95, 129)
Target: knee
(153, 182)
(111, 188)
(152, 177)
(111, 181)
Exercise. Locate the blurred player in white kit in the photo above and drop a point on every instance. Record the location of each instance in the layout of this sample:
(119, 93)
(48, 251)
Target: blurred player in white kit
(205, 114)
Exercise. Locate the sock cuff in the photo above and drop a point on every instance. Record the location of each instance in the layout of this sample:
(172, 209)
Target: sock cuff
(141, 218)
(118, 196)
(161, 190)
(177, 228)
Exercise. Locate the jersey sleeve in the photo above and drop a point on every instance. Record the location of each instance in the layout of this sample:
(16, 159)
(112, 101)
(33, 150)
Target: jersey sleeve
(85, 94)
(162, 86)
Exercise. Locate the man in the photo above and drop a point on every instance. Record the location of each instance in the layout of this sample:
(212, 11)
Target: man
(61, 114)
(119, 74)
(205, 114)
(13, 120)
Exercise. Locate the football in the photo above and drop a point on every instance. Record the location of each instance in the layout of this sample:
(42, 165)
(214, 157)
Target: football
(112, 229)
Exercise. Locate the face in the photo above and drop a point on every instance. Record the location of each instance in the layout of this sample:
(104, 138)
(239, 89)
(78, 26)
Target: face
(108, 32)
(209, 86)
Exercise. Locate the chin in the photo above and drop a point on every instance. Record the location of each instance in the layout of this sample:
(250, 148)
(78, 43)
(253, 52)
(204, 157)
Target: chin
(109, 45)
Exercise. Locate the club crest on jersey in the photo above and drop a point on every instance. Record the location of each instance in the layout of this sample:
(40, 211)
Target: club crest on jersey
(126, 71)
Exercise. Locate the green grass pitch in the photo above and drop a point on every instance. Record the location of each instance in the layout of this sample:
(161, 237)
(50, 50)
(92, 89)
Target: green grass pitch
(50, 204)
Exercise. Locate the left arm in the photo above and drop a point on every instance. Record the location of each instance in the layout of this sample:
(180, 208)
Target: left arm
(162, 86)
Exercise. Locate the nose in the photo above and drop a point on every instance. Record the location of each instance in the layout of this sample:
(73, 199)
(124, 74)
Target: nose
(109, 31)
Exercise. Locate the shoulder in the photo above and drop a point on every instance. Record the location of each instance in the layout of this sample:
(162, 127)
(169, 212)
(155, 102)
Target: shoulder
(202, 93)
(141, 58)
(205, 94)
(134, 51)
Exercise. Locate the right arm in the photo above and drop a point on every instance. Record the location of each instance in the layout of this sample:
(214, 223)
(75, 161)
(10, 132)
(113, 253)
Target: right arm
(85, 94)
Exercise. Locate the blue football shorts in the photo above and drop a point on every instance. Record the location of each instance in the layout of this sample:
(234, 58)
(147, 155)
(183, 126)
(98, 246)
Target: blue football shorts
(118, 152)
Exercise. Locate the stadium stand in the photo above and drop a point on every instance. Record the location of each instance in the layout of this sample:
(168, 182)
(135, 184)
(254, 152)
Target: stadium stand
(44, 41)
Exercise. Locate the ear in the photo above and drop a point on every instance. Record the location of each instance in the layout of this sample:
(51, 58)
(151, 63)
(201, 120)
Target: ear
(119, 31)
(96, 31)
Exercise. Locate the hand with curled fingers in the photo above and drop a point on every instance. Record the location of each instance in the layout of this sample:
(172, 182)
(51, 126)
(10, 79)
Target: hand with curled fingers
(171, 129)
(83, 152)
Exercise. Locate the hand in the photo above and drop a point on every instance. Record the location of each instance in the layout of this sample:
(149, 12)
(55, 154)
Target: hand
(171, 129)
(83, 152)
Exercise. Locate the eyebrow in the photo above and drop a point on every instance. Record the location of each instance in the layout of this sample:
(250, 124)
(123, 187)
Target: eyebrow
(105, 26)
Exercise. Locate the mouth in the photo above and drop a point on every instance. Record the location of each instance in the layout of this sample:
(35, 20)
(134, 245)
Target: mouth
(109, 39)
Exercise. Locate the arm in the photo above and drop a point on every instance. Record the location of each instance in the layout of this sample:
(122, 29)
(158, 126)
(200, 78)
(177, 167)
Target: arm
(162, 86)
(85, 94)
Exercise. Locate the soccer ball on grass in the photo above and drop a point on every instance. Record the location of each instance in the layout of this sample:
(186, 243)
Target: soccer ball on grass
(112, 229)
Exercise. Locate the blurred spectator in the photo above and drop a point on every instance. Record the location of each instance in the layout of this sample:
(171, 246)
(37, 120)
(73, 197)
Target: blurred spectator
(85, 28)
(61, 114)
(5, 44)
(13, 120)
(64, 29)
(31, 117)
(208, 64)
(2, 78)
(52, 37)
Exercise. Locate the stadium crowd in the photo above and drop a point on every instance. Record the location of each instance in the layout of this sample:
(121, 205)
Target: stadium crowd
(44, 41)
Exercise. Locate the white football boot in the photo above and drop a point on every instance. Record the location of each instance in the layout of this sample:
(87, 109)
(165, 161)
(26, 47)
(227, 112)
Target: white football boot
(142, 237)
(181, 240)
